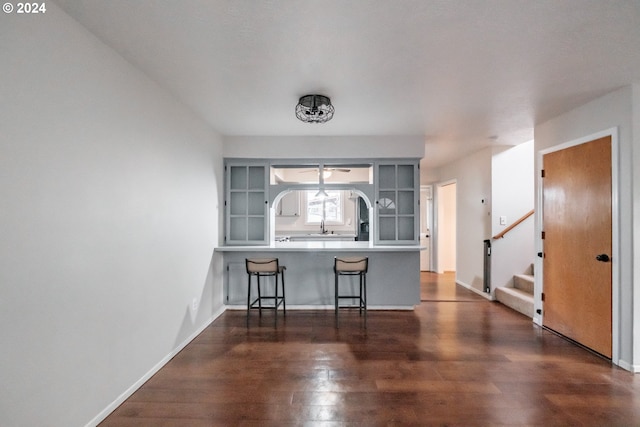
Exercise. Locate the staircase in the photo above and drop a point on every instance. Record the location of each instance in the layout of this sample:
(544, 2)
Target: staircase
(519, 296)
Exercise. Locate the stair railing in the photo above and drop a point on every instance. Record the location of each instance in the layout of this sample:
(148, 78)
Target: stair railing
(514, 225)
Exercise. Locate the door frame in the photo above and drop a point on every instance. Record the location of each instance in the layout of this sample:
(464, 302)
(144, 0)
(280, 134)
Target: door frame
(615, 234)
(427, 221)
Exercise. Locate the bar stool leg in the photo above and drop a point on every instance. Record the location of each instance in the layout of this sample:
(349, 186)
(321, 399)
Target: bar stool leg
(275, 303)
(360, 295)
(259, 298)
(336, 298)
(248, 298)
(364, 292)
(284, 304)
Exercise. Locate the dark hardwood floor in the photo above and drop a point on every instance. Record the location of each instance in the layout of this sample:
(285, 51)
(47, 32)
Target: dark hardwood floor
(441, 287)
(457, 360)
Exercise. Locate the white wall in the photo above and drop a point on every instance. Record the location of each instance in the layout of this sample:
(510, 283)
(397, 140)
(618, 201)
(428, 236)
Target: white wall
(322, 147)
(512, 196)
(617, 109)
(109, 216)
(473, 185)
(428, 175)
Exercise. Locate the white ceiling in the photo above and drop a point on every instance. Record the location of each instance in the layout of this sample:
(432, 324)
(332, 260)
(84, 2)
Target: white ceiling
(455, 72)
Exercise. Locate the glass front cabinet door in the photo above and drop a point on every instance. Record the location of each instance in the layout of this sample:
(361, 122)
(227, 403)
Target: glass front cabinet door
(246, 204)
(397, 203)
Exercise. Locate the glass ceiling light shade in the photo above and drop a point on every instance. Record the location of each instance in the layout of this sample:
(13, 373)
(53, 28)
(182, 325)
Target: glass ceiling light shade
(314, 109)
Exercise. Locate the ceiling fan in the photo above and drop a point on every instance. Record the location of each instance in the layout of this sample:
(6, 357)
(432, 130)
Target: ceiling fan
(325, 170)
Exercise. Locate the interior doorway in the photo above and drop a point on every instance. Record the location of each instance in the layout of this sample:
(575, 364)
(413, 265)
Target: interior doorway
(426, 225)
(446, 233)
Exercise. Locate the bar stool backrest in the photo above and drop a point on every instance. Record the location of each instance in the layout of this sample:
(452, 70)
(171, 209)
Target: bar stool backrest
(262, 265)
(351, 264)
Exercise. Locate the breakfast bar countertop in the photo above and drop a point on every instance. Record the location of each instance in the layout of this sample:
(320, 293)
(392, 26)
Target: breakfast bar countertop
(321, 246)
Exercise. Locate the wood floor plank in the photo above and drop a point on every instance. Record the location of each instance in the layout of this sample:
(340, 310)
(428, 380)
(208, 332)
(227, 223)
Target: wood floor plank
(456, 360)
(438, 386)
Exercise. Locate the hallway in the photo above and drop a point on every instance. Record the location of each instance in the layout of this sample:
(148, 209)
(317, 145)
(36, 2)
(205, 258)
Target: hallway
(457, 359)
(442, 287)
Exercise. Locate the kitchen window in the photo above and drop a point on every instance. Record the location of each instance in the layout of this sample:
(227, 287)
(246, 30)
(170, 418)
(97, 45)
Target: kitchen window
(327, 208)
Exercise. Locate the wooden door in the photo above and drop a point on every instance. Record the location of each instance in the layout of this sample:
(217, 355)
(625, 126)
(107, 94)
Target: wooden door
(577, 243)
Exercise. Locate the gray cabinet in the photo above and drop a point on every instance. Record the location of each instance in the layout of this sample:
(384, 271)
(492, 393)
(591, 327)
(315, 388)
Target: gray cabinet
(395, 188)
(397, 203)
(246, 203)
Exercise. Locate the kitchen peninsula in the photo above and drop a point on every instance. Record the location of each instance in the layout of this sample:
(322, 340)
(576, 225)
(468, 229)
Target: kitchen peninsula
(390, 191)
(393, 280)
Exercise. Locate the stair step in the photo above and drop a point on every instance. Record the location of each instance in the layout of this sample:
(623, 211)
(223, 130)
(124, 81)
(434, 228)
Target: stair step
(516, 299)
(524, 282)
(530, 270)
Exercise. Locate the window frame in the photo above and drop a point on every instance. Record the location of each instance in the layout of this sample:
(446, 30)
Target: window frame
(307, 221)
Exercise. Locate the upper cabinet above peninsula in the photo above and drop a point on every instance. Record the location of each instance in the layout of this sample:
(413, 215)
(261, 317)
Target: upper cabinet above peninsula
(258, 191)
(246, 204)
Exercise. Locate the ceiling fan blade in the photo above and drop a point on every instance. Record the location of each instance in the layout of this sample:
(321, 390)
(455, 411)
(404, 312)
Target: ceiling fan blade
(326, 170)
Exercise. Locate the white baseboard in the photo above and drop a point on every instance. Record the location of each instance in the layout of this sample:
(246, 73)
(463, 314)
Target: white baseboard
(289, 307)
(124, 396)
(490, 297)
(391, 307)
(628, 366)
(331, 307)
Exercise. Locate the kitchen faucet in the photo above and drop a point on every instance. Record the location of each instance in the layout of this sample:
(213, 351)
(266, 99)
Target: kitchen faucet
(322, 229)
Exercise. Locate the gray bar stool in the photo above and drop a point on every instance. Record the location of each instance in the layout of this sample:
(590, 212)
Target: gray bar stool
(265, 267)
(352, 266)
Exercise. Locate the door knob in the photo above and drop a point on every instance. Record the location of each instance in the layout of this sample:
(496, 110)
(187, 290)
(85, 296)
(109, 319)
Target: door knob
(603, 258)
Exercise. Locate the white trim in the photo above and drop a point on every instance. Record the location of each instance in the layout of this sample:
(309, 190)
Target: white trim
(490, 297)
(538, 261)
(331, 307)
(615, 237)
(615, 248)
(427, 222)
(628, 366)
(135, 386)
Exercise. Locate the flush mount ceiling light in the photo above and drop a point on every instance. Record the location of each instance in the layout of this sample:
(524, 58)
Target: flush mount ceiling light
(314, 109)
